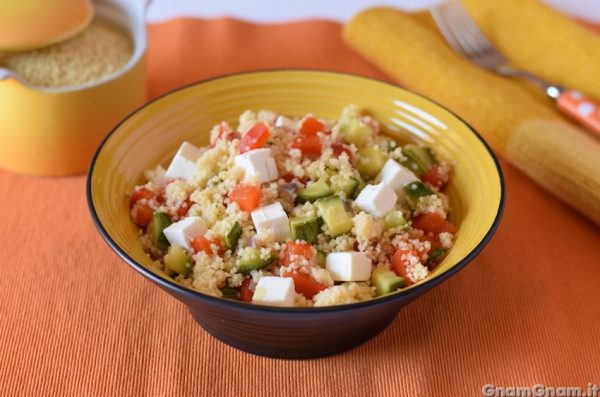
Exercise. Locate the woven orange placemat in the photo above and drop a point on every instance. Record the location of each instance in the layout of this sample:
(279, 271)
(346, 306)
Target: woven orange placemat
(77, 321)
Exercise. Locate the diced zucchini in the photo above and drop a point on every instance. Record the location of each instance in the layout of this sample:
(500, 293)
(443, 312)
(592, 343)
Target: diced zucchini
(305, 228)
(252, 260)
(361, 186)
(435, 256)
(422, 153)
(413, 166)
(370, 162)
(321, 259)
(353, 129)
(230, 293)
(430, 155)
(388, 145)
(233, 235)
(178, 260)
(385, 281)
(417, 189)
(349, 113)
(414, 191)
(348, 185)
(413, 162)
(332, 210)
(357, 133)
(393, 219)
(160, 221)
(314, 191)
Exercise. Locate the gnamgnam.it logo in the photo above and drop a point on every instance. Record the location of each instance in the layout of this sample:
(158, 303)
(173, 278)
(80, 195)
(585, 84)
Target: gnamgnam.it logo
(539, 390)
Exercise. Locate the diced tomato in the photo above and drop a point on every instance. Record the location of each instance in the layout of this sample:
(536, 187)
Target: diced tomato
(246, 196)
(294, 249)
(222, 133)
(219, 243)
(310, 126)
(309, 145)
(142, 214)
(304, 284)
(399, 264)
(338, 149)
(201, 244)
(184, 208)
(245, 292)
(234, 135)
(433, 240)
(255, 138)
(205, 245)
(140, 194)
(225, 133)
(435, 177)
(290, 177)
(433, 223)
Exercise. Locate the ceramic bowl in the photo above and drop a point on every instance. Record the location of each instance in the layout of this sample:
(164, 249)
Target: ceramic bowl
(55, 130)
(151, 135)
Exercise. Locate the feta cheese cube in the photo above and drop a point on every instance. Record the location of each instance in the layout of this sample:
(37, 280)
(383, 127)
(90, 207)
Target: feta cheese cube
(272, 217)
(275, 291)
(183, 164)
(377, 200)
(284, 122)
(259, 164)
(180, 233)
(396, 176)
(349, 266)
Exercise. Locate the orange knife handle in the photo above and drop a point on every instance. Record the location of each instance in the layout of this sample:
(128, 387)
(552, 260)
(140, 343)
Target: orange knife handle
(580, 108)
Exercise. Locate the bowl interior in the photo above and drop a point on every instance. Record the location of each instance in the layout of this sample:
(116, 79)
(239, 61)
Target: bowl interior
(152, 135)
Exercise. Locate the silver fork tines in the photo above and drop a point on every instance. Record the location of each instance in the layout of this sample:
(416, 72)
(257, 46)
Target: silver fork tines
(466, 39)
(464, 36)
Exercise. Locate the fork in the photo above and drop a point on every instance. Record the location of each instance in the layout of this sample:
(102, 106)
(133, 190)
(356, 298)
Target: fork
(464, 36)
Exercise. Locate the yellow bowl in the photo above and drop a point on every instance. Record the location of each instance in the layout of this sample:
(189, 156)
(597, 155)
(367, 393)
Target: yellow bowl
(55, 131)
(151, 136)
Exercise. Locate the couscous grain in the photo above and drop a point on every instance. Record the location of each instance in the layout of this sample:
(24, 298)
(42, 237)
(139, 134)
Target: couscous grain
(100, 50)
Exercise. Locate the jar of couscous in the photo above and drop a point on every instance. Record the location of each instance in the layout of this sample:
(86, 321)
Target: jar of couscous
(58, 103)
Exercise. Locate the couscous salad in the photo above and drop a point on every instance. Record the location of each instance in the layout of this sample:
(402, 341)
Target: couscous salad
(296, 211)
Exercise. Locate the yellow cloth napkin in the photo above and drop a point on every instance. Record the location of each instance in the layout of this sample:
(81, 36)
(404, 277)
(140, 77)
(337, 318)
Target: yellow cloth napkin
(515, 119)
(542, 40)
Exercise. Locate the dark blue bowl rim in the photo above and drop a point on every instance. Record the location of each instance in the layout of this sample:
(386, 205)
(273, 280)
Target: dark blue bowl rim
(189, 293)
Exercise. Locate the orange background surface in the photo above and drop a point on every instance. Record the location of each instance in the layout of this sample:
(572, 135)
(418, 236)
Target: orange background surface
(75, 320)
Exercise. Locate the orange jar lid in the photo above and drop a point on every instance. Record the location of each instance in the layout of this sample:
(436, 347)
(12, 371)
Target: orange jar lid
(28, 24)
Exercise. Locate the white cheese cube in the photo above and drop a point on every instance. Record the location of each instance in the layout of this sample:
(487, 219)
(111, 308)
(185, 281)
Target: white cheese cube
(183, 164)
(349, 266)
(284, 122)
(274, 291)
(180, 233)
(259, 164)
(377, 200)
(272, 217)
(396, 176)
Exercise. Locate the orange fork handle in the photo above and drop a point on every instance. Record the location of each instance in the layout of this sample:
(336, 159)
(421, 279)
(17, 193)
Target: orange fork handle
(582, 109)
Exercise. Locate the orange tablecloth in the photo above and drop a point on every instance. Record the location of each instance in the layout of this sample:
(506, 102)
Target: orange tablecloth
(75, 320)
